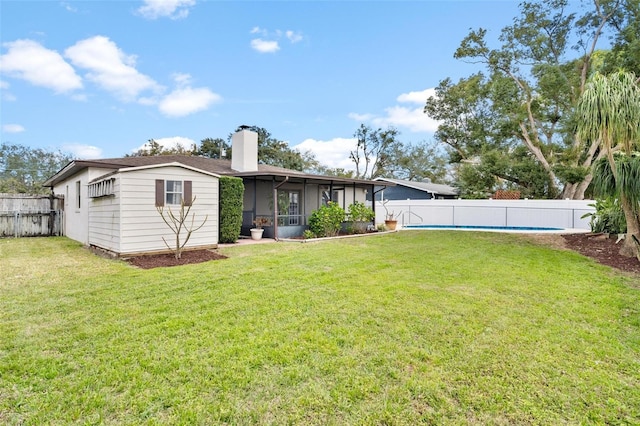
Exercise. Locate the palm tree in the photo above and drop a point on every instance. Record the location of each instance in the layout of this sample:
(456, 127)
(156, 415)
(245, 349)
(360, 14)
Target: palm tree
(609, 111)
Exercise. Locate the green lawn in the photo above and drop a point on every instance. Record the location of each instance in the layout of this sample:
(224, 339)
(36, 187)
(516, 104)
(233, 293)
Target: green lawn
(412, 327)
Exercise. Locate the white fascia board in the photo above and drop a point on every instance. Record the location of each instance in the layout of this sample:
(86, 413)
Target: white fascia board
(172, 164)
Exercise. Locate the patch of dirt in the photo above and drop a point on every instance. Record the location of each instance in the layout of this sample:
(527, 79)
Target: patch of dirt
(150, 261)
(603, 249)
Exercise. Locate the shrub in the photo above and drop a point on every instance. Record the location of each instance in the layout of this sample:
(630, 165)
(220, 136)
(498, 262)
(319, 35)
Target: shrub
(308, 234)
(608, 217)
(358, 214)
(327, 220)
(231, 195)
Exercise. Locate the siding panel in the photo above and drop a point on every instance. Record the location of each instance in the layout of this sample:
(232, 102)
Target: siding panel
(142, 226)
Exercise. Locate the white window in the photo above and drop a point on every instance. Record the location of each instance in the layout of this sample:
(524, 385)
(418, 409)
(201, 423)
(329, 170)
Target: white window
(173, 192)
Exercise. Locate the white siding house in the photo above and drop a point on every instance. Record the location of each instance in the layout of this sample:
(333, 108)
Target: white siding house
(111, 203)
(117, 211)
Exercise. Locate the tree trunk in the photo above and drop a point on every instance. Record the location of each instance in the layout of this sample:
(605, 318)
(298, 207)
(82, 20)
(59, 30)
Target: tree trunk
(575, 191)
(630, 247)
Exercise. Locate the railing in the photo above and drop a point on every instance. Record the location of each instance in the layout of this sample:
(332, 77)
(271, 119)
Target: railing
(291, 220)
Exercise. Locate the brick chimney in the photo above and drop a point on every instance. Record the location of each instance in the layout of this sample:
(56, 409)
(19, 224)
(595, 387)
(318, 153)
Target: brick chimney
(244, 144)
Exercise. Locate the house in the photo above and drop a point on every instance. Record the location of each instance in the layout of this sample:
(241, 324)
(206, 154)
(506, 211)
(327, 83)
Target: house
(111, 204)
(409, 190)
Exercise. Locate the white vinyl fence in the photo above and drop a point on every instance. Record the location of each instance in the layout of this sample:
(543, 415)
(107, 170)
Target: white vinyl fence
(565, 214)
(30, 215)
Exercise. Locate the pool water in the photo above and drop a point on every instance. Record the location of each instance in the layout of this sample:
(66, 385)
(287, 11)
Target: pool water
(481, 227)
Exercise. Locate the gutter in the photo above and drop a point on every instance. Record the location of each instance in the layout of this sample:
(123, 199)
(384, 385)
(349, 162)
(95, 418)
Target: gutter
(275, 207)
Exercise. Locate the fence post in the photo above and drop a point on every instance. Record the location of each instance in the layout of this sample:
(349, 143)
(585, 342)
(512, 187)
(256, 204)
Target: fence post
(16, 222)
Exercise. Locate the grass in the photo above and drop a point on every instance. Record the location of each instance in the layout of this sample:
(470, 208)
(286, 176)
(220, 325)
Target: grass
(414, 327)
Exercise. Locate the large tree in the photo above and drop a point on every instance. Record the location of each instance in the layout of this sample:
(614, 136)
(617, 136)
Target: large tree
(625, 52)
(373, 152)
(530, 90)
(24, 169)
(609, 114)
(213, 148)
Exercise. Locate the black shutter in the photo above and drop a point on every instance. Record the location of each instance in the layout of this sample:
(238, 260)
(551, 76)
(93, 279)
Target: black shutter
(159, 193)
(188, 199)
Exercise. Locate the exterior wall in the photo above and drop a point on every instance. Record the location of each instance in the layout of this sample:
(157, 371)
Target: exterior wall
(76, 218)
(564, 214)
(258, 201)
(104, 220)
(142, 227)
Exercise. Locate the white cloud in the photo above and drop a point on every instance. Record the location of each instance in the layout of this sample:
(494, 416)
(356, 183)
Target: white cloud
(333, 153)
(264, 46)
(68, 7)
(181, 79)
(269, 40)
(293, 36)
(410, 117)
(360, 117)
(30, 61)
(81, 151)
(6, 96)
(110, 67)
(417, 97)
(170, 143)
(186, 100)
(174, 9)
(13, 128)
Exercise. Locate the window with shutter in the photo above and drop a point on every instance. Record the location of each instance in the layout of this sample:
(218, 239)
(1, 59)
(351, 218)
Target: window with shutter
(173, 192)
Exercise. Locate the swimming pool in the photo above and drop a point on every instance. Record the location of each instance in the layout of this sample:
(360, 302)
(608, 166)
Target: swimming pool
(485, 228)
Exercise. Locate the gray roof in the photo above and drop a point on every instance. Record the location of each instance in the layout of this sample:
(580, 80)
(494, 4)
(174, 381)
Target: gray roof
(211, 165)
(434, 188)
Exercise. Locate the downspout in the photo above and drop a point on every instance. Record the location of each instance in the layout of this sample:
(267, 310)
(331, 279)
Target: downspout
(275, 207)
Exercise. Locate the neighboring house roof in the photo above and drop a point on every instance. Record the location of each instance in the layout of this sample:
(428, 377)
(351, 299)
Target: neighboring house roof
(210, 165)
(433, 188)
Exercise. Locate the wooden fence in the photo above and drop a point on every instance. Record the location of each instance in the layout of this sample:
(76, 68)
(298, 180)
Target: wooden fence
(31, 215)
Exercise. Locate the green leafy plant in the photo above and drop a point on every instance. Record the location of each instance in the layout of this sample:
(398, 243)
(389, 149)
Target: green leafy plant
(308, 234)
(261, 221)
(608, 217)
(358, 214)
(327, 220)
(231, 194)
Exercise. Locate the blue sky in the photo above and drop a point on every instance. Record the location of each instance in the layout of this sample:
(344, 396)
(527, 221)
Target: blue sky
(100, 78)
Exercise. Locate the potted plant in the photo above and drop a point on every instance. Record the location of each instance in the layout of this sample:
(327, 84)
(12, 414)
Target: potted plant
(390, 221)
(259, 222)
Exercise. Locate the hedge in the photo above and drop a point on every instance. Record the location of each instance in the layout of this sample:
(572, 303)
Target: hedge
(231, 195)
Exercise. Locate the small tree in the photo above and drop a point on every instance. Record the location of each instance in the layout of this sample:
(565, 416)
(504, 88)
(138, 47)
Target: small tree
(178, 224)
(609, 114)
